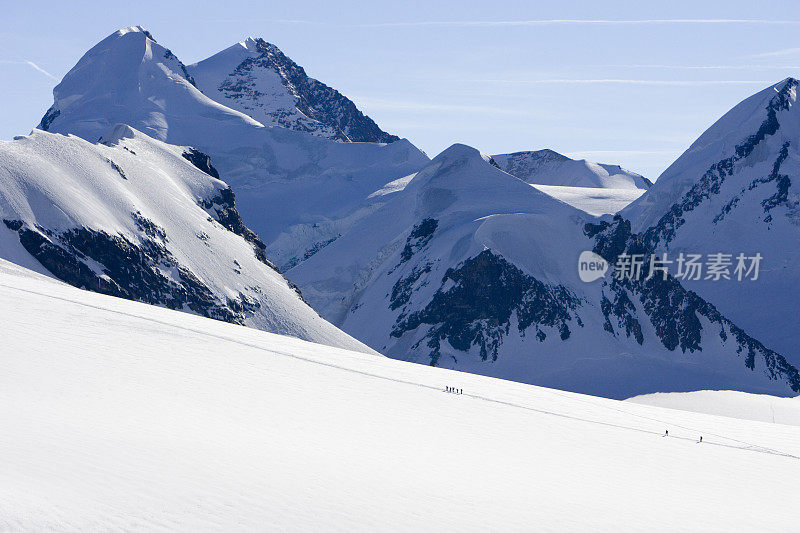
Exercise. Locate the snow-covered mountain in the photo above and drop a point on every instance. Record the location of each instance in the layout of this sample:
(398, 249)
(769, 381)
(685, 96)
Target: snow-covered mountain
(256, 78)
(546, 167)
(140, 219)
(123, 416)
(461, 264)
(128, 78)
(735, 191)
(595, 188)
(297, 191)
(470, 268)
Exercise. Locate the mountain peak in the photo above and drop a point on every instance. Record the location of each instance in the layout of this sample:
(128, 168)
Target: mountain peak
(463, 172)
(257, 45)
(133, 29)
(256, 78)
(129, 78)
(548, 167)
(458, 151)
(249, 43)
(769, 117)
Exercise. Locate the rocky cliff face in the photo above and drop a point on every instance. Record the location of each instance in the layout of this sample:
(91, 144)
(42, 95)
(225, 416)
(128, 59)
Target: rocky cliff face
(256, 78)
(735, 191)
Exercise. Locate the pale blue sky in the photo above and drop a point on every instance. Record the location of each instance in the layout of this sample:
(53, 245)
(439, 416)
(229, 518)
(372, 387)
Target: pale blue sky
(618, 82)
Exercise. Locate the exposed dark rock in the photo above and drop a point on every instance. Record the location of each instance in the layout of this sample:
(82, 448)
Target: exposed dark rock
(315, 99)
(13, 225)
(316, 247)
(148, 227)
(711, 182)
(418, 238)
(145, 271)
(169, 55)
(782, 182)
(148, 34)
(673, 311)
(222, 209)
(201, 161)
(625, 313)
(476, 309)
(117, 169)
(494, 163)
(48, 118)
(401, 292)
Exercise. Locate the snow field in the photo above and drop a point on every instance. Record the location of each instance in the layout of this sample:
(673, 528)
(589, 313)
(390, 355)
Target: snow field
(125, 416)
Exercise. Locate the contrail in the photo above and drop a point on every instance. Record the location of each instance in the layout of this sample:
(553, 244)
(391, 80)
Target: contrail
(786, 52)
(687, 83)
(598, 22)
(30, 64)
(40, 69)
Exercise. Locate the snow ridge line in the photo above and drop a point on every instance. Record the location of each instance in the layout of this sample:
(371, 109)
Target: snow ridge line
(748, 447)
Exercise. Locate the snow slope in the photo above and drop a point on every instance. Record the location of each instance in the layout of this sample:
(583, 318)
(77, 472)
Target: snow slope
(595, 188)
(593, 200)
(470, 268)
(129, 78)
(120, 415)
(735, 404)
(735, 190)
(141, 219)
(284, 179)
(256, 78)
(546, 167)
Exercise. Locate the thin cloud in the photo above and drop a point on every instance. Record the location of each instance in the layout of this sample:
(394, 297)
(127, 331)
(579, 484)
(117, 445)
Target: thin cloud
(786, 52)
(31, 64)
(618, 81)
(405, 105)
(584, 153)
(700, 67)
(550, 22)
(40, 69)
